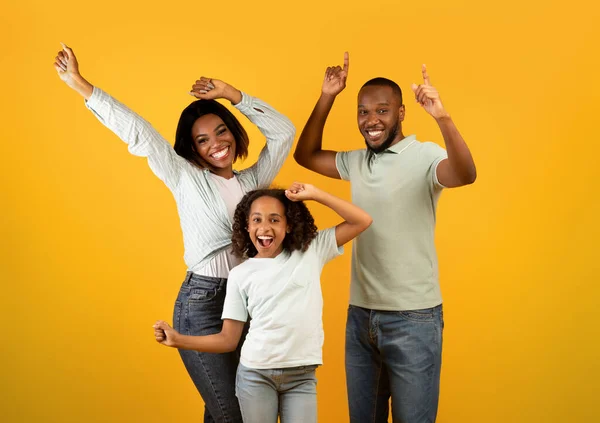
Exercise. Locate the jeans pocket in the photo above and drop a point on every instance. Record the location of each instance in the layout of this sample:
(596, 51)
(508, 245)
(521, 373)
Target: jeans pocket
(442, 317)
(423, 315)
(177, 316)
(310, 369)
(202, 294)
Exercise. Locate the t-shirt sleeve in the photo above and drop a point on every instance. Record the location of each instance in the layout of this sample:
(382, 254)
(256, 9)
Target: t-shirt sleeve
(433, 154)
(342, 162)
(236, 301)
(325, 245)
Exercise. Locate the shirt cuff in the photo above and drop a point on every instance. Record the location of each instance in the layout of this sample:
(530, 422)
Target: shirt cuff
(95, 99)
(246, 103)
(436, 181)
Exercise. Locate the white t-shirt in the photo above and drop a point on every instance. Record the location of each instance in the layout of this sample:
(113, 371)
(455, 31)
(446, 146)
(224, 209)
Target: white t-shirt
(231, 192)
(283, 297)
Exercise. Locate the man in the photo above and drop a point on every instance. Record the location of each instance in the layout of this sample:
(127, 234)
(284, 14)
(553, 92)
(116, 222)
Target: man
(395, 319)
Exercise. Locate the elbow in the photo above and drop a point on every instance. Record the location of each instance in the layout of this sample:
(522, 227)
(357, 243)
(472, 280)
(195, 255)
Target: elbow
(229, 348)
(230, 345)
(471, 177)
(466, 177)
(367, 223)
(300, 158)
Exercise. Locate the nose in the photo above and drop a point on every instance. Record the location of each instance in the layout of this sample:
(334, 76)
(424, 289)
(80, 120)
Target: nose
(372, 119)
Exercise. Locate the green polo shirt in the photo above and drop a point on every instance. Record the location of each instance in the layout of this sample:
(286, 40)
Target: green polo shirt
(394, 263)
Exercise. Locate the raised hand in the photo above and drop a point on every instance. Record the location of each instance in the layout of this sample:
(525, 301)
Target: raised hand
(428, 97)
(335, 78)
(66, 65)
(212, 89)
(164, 333)
(301, 192)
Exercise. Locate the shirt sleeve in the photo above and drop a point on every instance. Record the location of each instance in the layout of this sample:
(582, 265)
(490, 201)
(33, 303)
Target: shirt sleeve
(325, 245)
(235, 306)
(279, 132)
(141, 138)
(342, 162)
(433, 154)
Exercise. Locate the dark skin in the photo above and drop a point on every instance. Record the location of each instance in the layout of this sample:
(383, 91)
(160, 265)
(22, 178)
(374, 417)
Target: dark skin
(378, 106)
(215, 145)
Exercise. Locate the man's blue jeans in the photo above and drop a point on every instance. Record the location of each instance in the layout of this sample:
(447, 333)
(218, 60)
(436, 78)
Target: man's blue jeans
(395, 354)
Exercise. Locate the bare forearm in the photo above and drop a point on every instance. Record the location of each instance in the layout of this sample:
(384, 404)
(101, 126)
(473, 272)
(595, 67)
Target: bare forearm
(459, 155)
(82, 86)
(217, 343)
(232, 94)
(311, 139)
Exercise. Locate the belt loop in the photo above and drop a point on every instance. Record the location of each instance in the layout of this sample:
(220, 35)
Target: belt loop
(188, 276)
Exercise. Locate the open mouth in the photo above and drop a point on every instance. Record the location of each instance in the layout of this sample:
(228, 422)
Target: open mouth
(374, 135)
(265, 241)
(221, 154)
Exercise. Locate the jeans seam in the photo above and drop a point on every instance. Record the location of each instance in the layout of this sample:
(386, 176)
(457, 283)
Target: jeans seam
(212, 386)
(374, 418)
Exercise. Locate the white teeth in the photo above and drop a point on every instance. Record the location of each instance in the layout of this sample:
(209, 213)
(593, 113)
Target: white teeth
(265, 237)
(220, 154)
(374, 133)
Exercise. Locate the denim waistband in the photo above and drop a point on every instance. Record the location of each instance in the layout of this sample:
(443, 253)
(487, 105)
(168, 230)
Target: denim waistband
(192, 279)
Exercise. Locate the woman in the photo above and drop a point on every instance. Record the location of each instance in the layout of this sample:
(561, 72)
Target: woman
(199, 173)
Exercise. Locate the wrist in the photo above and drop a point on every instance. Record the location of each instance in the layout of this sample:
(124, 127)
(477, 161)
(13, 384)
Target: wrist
(82, 86)
(233, 94)
(328, 96)
(318, 195)
(443, 118)
(176, 340)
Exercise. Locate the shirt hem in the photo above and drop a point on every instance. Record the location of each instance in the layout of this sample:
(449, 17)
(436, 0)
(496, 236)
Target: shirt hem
(284, 365)
(387, 307)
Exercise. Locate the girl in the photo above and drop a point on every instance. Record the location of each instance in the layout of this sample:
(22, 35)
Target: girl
(199, 173)
(278, 287)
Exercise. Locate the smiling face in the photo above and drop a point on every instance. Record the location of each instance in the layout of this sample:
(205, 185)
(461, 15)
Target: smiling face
(380, 114)
(267, 226)
(215, 144)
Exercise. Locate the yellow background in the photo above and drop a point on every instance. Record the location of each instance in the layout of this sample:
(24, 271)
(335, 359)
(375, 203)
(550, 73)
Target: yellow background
(91, 244)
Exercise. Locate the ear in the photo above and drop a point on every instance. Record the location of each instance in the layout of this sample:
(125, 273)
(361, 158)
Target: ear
(401, 112)
(288, 229)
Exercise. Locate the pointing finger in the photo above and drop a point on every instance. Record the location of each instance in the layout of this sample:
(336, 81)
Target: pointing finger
(425, 75)
(346, 62)
(67, 50)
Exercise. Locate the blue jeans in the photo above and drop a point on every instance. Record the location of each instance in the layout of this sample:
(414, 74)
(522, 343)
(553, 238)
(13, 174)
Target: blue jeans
(291, 393)
(395, 354)
(198, 311)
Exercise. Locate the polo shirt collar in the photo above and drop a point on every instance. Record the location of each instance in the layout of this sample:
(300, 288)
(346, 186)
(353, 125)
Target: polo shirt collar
(403, 143)
(394, 149)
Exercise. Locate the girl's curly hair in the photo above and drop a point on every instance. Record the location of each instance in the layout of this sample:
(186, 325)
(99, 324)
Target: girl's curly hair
(299, 220)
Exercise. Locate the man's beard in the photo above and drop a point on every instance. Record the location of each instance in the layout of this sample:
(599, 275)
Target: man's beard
(384, 145)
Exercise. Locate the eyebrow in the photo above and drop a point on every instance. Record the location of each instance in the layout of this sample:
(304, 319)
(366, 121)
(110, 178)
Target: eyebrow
(379, 104)
(260, 214)
(215, 130)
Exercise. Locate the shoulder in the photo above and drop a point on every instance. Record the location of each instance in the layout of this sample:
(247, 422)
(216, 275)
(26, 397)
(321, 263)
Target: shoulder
(324, 238)
(351, 154)
(238, 272)
(429, 151)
